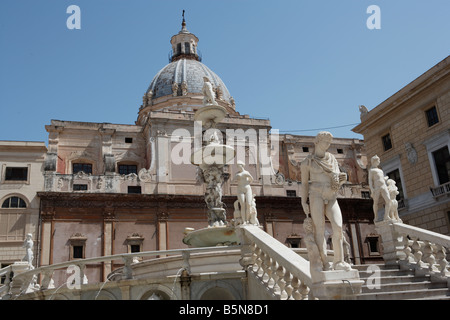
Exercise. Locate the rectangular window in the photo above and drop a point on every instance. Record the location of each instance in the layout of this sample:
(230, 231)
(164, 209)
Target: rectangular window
(134, 189)
(365, 194)
(82, 167)
(432, 116)
(135, 248)
(77, 252)
(387, 143)
(187, 48)
(16, 174)
(395, 175)
(12, 226)
(128, 140)
(127, 169)
(340, 151)
(442, 162)
(373, 243)
(291, 193)
(80, 187)
(305, 149)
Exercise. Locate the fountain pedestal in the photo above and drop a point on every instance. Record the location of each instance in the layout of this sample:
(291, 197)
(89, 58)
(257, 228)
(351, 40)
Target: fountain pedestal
(211, 159)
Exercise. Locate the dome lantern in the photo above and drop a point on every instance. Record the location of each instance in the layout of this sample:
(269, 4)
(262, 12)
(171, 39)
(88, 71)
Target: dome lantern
(184, 45)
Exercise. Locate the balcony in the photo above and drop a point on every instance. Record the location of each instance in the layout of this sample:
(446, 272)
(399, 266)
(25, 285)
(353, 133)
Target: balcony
(182, 55)
(442, 190)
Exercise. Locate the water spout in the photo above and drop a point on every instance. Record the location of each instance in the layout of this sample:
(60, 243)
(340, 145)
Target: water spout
(103, 284)
(178, 274)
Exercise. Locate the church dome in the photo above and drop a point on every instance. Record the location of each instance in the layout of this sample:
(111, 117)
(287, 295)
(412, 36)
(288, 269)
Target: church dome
(184, 75)
(188, 71)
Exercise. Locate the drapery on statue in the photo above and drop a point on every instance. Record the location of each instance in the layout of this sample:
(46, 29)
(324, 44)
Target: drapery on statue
(378, 186)
(209, 97)
(321, 180)
(245, 205)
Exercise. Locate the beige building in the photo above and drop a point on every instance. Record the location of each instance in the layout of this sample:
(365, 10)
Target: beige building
(410, 132)
(21, 165)
(121, 188)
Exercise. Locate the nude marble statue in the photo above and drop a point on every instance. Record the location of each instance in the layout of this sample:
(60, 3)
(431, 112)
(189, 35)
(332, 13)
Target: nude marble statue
(321, 180)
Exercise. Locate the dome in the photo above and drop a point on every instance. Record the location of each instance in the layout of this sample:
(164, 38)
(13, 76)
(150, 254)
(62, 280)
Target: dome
(184, 75)
(188, 71)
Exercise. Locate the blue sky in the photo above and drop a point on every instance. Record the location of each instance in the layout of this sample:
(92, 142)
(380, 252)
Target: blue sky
(305, 65)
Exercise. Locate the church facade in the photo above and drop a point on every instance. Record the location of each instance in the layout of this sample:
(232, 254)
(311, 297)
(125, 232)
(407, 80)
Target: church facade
(122, 188)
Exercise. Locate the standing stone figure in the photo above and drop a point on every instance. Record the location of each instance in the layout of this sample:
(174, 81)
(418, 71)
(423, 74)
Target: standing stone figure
(393, 209)
(209, 96)
(321, 181)
(244, 195)
(378, 186)
(28, 245)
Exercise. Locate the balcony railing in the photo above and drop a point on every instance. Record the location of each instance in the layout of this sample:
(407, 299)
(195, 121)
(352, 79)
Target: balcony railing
(442, 190)
(197, 55)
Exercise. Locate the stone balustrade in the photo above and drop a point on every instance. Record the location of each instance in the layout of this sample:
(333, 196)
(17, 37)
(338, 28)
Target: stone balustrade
(414, 248)
(284, 274)
(25, 278)
(442, 190)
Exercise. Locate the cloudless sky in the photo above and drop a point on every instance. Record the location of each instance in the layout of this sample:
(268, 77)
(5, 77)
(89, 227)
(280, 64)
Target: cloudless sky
(303, 64)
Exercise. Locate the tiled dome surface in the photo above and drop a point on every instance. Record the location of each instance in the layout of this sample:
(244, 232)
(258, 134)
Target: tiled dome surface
(189, 70)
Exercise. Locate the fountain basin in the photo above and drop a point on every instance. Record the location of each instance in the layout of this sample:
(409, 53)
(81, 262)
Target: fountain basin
(211, 237)
(210, 112)
(213, 154)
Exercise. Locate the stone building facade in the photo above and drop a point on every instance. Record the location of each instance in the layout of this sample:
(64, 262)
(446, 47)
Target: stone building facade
(21, 167)
(410, 133)
(115, 188)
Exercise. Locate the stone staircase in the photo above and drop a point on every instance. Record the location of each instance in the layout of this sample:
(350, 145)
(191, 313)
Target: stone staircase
(396, 284)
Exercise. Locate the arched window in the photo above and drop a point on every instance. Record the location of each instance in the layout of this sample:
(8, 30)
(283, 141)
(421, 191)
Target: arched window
(14, 202)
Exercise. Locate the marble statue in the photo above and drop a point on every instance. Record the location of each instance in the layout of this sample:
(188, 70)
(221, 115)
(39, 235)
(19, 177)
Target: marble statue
(321, 181)
(28, 245)
(184, 88)
(174, 89)
(363, 111)
(393, 208)
(209, 96)
(245, 205)
(213, 177)
(315, 260)
(378, 186)
(149, 98)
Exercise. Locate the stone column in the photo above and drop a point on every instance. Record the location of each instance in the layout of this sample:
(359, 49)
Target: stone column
(163, 161)
(108, 231)
(162, 230)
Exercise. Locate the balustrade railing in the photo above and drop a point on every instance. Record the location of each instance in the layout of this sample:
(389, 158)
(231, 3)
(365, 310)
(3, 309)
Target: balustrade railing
(442, 190)
(415, 248)
(284, 273)
(25, 278)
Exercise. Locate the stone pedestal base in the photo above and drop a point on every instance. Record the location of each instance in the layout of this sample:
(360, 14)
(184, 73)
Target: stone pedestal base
(391, 254)
(336, 285)
(19, 284)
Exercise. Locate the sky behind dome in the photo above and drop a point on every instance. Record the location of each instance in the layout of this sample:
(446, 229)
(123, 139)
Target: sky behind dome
(305, 65)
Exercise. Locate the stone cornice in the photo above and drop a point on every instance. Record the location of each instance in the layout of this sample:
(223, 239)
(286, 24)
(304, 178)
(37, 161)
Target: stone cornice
(438, 73)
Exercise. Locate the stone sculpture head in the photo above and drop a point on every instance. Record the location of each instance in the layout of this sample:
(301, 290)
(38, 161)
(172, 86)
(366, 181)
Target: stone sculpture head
(375, 161)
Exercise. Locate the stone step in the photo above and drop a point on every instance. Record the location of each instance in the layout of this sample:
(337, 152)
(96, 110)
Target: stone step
(396, 284)
(362, 267)
(402, 286)
(394, 279)
(431, 294)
